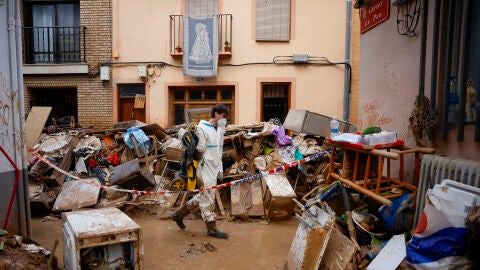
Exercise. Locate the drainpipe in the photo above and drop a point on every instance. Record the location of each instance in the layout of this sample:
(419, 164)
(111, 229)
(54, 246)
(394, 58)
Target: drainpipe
(346, 77)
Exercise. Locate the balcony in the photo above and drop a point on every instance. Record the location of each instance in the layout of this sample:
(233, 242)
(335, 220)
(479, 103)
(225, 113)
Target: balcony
(54, 45)
(224, 35)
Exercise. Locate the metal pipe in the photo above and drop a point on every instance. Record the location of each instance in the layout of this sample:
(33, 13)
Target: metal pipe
(347, 73)
(448, 67)
(433, 80)
(423, 49)
(462, 56)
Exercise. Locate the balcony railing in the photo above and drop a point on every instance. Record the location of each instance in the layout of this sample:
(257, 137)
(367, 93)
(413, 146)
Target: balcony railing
(224, 34)
(54, 45)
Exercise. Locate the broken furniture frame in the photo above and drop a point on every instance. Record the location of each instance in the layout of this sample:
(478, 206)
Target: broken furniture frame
(390, 151)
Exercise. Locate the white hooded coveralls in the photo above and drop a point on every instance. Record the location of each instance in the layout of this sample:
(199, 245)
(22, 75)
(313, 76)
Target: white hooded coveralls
(210, 144)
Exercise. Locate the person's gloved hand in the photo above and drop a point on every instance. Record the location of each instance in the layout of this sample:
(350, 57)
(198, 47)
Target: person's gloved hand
(220, 176)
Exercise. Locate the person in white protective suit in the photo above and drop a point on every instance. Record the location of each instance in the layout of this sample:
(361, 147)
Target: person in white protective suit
(210, 144)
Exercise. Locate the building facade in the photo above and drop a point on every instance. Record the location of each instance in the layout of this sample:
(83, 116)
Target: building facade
(436, 60)
(64, 44)
(279, 55)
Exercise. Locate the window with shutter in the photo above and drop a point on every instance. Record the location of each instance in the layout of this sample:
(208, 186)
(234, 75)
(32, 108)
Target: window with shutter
(273, 20)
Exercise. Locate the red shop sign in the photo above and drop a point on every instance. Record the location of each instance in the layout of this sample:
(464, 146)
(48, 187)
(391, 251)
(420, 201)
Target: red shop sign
(374, 14)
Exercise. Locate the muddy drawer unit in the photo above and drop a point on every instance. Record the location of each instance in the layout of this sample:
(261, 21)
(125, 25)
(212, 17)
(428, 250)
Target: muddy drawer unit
(101, 239)
(278, 197)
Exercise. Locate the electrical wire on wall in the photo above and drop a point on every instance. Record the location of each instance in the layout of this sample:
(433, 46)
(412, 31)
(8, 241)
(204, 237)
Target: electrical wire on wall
(277, 60)
(408, 15)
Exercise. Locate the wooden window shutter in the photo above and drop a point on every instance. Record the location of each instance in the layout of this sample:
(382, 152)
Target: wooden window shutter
(273, 20)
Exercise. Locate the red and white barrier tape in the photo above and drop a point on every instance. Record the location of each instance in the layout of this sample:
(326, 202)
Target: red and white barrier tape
(228, 184)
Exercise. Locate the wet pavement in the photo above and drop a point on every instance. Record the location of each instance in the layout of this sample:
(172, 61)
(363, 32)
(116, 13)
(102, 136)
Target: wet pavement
(251, 245)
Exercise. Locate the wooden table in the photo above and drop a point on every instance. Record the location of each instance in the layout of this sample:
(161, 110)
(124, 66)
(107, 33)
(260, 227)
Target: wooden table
(376, 188)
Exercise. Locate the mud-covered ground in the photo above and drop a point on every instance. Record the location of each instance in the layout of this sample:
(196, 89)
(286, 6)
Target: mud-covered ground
(15, 257)
(253, 244)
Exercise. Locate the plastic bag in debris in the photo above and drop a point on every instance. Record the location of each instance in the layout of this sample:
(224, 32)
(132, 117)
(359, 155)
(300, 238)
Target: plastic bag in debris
(282, 138)
(143, 142)
(440, 238)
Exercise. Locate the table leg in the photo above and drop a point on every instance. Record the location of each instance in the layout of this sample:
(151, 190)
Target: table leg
(367, 170)
(355, 167)
(380, 173)
(331, 169)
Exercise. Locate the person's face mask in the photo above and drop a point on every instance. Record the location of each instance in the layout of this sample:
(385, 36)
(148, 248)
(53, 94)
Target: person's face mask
(222, 122)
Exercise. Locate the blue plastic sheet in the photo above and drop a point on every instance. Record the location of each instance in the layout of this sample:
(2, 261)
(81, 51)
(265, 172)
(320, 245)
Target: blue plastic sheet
(135, 135)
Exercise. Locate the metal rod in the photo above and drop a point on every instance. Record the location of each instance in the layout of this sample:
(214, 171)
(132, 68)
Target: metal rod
(462, 56)
(448, 67)
(423, 52)
(433, 80)
(303, 221)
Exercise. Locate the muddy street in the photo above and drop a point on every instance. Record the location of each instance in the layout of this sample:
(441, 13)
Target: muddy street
(251, 245)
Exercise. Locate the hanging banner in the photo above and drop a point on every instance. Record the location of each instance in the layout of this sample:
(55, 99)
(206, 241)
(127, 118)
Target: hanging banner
(374, 14)
(200, 56)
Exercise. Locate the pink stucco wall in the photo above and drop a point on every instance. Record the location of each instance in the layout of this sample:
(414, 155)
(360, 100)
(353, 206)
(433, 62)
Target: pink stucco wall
(140, 33)
(389, 79)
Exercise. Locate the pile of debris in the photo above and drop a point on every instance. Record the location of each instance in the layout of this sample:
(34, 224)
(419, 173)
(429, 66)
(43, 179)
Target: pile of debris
(273, 173)
(136, 156)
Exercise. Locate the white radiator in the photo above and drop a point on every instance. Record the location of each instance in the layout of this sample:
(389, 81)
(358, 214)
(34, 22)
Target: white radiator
(435, 168)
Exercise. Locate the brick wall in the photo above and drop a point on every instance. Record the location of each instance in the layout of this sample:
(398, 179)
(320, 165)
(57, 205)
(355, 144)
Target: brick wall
(96, 15)
(94, 97)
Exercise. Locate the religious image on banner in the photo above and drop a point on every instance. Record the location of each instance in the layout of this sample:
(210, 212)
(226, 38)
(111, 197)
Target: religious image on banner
(200, 58)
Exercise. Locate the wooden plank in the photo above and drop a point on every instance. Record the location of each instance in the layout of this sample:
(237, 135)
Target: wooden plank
(219, 202)
(34, 125)
(339, 252)
(57, 178)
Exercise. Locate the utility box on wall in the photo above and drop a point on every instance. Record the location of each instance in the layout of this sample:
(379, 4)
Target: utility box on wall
(101, 239)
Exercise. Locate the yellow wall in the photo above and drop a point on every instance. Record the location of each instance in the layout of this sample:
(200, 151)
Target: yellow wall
(141, 33)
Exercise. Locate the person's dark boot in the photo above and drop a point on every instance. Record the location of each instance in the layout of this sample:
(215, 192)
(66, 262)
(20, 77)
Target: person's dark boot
(179, 215)
(213, 232)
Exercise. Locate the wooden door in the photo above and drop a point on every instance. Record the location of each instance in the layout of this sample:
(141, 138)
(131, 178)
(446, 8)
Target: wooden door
(128, 112)
(126, 102)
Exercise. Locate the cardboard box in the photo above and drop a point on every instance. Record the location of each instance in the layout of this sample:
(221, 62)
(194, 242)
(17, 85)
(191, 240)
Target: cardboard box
(303, 121)
(246, 199)
(278, 197)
